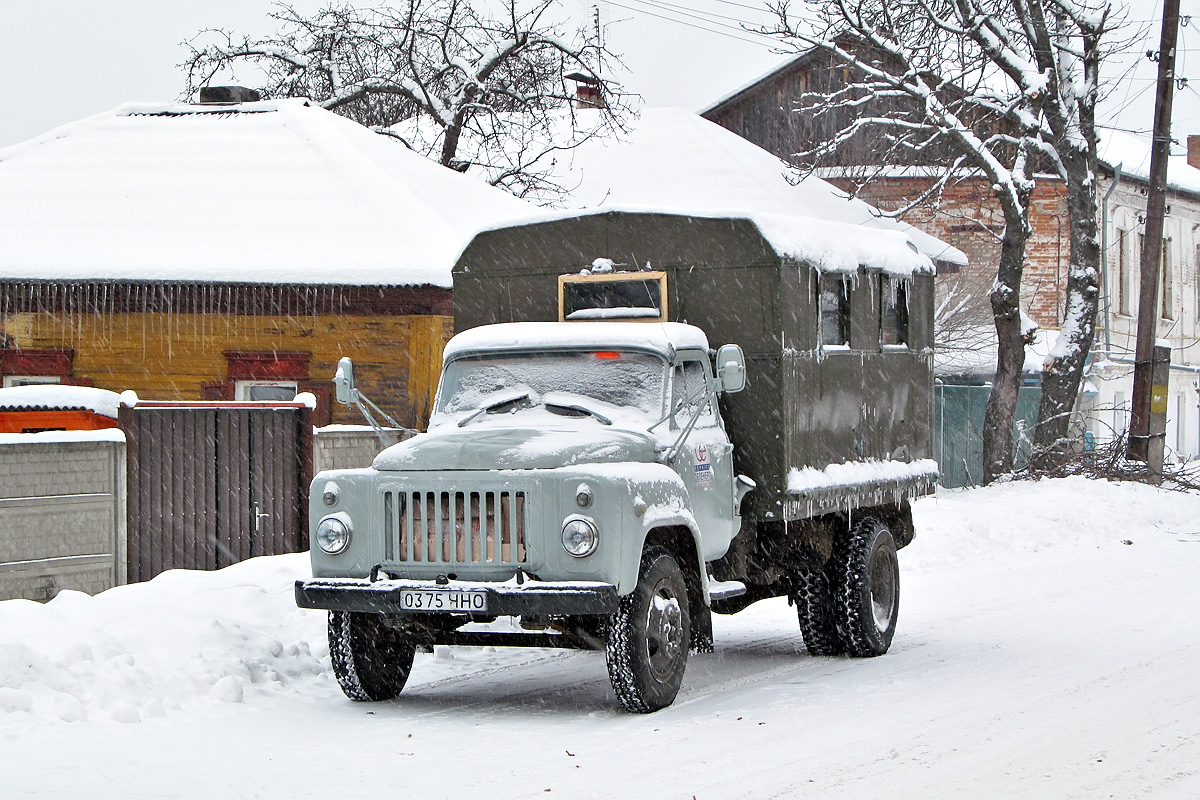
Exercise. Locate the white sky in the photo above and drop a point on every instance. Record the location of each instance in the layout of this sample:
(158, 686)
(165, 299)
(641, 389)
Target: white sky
(61, 60)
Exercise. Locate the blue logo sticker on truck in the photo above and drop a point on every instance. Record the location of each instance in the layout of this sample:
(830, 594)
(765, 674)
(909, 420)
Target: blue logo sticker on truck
(704, 471)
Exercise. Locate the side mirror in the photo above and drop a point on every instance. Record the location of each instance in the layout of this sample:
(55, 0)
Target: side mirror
(731, 369)
(343, 382)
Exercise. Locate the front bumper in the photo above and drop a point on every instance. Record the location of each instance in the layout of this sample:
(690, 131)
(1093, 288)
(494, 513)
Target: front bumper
(545, 598)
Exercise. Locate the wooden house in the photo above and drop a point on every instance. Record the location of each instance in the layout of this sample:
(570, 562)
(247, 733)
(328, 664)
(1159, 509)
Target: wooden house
(231, 251)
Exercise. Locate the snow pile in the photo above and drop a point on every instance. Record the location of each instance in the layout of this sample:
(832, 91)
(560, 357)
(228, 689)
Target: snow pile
(960, 527)
(58, 396)
(146, 650)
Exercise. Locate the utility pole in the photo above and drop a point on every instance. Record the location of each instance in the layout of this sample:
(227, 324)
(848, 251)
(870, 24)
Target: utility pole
(1148, 417)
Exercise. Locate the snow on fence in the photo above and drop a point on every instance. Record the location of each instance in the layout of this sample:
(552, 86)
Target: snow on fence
(62, 513)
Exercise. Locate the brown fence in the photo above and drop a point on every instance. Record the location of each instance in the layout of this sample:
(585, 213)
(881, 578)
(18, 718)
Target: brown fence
(211, 484)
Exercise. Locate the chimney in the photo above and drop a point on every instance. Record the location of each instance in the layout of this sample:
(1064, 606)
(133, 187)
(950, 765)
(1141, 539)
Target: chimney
(226, 95)
(1194, 151)
(587, 90)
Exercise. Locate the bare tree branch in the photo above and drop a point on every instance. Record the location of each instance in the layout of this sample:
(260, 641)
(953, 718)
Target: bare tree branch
(459, 84)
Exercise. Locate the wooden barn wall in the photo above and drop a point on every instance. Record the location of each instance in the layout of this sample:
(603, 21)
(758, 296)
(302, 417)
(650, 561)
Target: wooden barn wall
(168, 354)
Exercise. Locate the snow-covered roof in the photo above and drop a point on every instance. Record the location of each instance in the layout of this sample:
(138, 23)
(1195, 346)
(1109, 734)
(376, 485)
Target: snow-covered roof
(674, 160)
(277, 191)
(658, 336)
(1133, 155)
(60, 397)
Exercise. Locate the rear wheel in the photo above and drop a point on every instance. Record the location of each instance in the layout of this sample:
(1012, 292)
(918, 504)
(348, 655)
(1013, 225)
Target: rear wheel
(649, 636)
(370, 660)
(817, 612)
(868, 590)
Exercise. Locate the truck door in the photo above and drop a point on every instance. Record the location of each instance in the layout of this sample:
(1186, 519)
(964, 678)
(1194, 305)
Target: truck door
(705, 458)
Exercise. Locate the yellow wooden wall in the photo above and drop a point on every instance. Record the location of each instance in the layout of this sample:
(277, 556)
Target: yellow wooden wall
(162, 356)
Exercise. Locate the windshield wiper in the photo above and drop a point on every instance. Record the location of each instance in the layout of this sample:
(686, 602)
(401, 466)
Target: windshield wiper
(494, 406)
(579, 409)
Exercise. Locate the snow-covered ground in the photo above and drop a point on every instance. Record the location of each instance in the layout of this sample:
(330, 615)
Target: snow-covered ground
(1049, 647)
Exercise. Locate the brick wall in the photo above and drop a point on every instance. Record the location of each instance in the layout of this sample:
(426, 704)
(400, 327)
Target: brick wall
(62, 513)
(969, 218)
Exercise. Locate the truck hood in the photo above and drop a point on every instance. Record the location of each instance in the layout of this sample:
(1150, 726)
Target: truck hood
(482, 448)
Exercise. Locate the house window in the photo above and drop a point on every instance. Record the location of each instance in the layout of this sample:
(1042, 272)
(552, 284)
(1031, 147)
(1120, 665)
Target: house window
(1168, 289)
(1122, 274)
(29, 380)
(23, 367)
(893, 311)
(271, 391)
(835, 310)
(1197, 280)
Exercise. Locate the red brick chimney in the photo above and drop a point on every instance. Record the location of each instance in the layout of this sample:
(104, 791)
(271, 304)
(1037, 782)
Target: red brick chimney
(1194, 151)
(587, 90)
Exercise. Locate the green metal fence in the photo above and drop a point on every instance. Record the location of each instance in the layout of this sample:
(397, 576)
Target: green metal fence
(958, 421)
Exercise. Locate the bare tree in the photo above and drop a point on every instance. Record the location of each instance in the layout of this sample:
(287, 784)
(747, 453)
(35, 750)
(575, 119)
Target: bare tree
(469, 88)
(923, 95)
(1002, 89)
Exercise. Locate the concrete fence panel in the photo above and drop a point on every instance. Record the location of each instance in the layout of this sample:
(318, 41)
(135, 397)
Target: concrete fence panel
(62, 513)
(350, 446)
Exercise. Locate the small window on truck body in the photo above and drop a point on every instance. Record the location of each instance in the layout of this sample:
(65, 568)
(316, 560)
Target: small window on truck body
(893, 311)
(835, 309)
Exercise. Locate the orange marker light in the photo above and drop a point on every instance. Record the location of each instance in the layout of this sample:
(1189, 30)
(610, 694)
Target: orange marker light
(608, 354)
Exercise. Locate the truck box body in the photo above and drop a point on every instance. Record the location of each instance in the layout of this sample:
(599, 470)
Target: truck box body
(819, 428)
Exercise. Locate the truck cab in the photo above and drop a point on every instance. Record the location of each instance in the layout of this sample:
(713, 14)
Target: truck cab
(558, 456)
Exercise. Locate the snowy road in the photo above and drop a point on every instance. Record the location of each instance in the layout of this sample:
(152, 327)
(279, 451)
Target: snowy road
(1038, 656)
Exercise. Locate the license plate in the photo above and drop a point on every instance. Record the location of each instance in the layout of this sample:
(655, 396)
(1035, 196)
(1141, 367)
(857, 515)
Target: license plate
(454, 600)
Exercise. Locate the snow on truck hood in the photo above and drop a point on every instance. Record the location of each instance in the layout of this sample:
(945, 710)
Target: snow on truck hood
(479, 446)
(662, 337)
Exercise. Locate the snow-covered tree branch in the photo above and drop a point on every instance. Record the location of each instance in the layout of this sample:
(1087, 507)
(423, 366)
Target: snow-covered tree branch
(472, 89)
(1005, 88)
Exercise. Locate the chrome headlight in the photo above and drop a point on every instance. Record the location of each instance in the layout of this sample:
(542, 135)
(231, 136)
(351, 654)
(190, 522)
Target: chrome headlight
(333, 533)
(580, 536)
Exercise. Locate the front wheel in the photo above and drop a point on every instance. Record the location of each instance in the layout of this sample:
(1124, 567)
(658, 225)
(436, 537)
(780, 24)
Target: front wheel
(370, 660)
(648, 639)
(868, 594)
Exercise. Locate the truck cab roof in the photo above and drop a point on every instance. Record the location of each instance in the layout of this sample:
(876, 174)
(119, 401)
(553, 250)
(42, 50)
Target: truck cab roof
(661, 337)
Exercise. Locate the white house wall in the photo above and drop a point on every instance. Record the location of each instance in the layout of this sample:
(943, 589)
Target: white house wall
(1107, 404)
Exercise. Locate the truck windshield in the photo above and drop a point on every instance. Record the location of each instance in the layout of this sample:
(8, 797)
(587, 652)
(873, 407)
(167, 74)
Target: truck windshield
(619, 384)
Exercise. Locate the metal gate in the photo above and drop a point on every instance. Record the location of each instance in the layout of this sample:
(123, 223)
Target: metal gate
(211, 484)
(958, 421)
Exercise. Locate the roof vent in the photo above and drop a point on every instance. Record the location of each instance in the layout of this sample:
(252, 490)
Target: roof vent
(225, 95)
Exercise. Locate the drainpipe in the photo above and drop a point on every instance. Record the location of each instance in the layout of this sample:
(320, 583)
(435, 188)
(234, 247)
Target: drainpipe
(1104, 265)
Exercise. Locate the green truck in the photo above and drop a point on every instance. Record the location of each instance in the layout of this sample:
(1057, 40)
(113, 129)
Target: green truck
(643, 419)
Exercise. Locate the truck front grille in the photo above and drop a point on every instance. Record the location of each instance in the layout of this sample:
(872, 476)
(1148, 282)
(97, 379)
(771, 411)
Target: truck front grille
(455, 527)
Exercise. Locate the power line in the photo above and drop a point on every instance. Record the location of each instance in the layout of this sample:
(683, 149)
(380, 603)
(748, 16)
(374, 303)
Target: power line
(692, 24)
